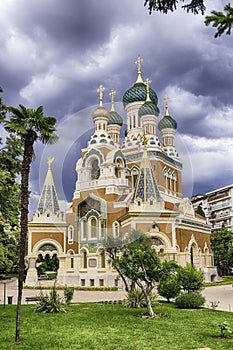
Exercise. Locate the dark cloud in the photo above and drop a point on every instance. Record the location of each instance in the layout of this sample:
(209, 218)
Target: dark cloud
(56, 53)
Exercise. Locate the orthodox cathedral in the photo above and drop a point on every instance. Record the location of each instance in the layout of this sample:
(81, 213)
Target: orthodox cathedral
(136, 184)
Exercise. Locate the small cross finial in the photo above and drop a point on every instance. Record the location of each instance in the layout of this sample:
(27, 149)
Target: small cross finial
(138, 63)
(112, 94)
(148, 82)
(166, 99)
(100, 91)
(49, 161)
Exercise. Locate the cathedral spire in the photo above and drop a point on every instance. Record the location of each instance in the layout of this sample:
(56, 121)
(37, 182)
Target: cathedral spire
(112, 94)
(148, 82)
(146, 187)
(166, 99)
(138, 63)
(100, 91)
(48, 202)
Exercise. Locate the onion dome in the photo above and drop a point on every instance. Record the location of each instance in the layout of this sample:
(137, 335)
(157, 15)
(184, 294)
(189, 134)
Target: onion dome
(100, 112)
(167, 122)
(138, 91)
(148, 108)
(115, 118)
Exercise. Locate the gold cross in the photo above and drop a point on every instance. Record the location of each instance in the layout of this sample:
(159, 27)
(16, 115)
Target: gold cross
(100, 91)
(166, 99)
(138, 63)
(148, 82)
(49, 161)
(112, 94)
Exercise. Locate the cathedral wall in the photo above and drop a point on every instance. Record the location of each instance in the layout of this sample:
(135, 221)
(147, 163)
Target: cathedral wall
(57, 236)
(183, 237)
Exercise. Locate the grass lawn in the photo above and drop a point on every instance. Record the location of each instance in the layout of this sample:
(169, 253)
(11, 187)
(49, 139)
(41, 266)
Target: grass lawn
(112, 326)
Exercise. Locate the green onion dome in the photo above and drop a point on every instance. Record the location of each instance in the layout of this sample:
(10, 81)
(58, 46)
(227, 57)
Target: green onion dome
(167, 123)
(115, 118)
(148, 108)
(138, 93)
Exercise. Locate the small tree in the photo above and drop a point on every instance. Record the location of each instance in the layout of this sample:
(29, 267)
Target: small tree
(190, 279)
(140, 265)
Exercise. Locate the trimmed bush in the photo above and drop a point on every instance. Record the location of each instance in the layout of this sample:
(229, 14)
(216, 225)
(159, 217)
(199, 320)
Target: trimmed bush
(190, 278)
(169, 287)
(191, 300)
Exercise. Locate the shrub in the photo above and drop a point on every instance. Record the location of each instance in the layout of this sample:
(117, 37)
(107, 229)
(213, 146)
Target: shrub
(68, 294)
(224, 328)
(169, 287)
(136, 299)
(191, 300)
(190, 278)
(50, 303)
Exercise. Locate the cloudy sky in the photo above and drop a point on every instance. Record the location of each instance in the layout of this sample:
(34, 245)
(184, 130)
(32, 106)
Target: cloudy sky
(56, 53)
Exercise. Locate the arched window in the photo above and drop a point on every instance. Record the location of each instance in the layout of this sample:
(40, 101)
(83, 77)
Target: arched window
(115, 229)
(93, 227)
(70, 234)
(95, 170)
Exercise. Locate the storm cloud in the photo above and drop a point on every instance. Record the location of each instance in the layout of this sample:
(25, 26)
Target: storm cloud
(56, 53)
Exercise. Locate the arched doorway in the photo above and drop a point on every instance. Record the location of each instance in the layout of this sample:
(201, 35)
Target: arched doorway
(47, 262)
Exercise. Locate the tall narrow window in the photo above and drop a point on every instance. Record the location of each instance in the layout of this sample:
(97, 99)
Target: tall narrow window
(70, 235)
(102, 259)
(84, 259)
(95, 170)
(93, 228)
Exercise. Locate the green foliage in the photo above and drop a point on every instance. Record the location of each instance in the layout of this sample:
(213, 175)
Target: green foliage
(140, 264)
(224, 328)
(169, 287)
(222, 246)
(191, 300)
(200, 211)
(190, 279)
(50, 303)
(136, 299)
(223, 22)
(68, 294)
(194, 6)
(5, 262)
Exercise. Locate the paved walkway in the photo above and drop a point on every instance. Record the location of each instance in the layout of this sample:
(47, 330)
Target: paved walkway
(221, 294)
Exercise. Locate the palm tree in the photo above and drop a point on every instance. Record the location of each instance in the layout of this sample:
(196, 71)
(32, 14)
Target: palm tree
(30, 125)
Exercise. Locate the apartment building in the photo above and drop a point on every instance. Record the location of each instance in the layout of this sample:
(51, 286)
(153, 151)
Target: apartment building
(217, 206)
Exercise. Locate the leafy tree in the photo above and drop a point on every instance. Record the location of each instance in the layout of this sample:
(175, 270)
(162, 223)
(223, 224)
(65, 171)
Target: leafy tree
(113, 247)
(169, 287)
(10, 166)
(223, 22)
(222, 246)
(5, 263)
(29, 125)
(139, 263)
(190, 278)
